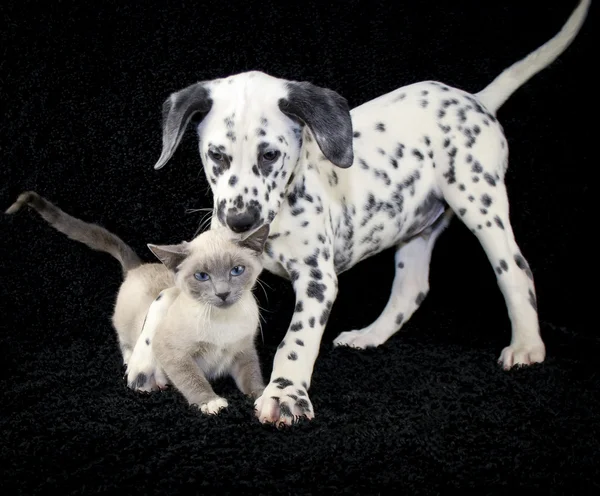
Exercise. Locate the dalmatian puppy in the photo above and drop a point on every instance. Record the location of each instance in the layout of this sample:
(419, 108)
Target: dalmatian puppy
(339, 185)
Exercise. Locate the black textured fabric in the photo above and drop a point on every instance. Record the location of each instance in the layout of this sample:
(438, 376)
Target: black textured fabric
(82, 87)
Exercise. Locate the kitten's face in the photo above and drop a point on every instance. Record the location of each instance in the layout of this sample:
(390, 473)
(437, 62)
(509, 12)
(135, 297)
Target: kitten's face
(212, 268)
(219, 279)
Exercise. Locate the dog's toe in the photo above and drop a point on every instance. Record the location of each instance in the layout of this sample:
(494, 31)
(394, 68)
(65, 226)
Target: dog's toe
(522, 354)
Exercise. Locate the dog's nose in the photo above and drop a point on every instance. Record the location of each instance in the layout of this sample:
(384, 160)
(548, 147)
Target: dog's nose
(243, 222)
(224, 296)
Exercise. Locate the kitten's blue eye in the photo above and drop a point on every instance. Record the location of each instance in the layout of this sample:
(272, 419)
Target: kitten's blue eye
(238, 270)
(202, 276)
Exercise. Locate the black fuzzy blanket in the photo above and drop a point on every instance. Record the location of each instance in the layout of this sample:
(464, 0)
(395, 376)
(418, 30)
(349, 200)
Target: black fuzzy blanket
(82, 84)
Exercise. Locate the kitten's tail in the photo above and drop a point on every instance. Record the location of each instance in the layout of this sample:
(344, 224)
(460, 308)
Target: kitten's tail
(93, 235)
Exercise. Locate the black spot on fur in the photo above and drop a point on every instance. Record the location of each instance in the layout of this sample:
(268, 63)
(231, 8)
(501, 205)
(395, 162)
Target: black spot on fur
(303, 405)
(380, 126)
(299, 306)
(312, 260)
(147, 341)
(489, 179)
(316, 274)
(399, 318)
(504, 265)
(476, 168)
(311, 322)
(532, 300)
(486, 200)
(316, 290)
(282, 383)
(418, 154)
(498, 222)
(293, 356)
(325, 314)
(140, 380)
(284, 410)
(356, 134)
(523, 265)
(299, 342)
(420, 298)
(400, 150)
(462, 211)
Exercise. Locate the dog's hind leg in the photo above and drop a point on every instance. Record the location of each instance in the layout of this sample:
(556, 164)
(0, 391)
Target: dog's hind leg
(478, 196)
(409, 289)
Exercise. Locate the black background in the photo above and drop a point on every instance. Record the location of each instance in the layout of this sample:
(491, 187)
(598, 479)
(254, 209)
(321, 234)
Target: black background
(82, 85)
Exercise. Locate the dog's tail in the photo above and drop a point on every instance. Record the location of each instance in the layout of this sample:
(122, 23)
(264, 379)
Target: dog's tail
(93, 235)
(500, 89)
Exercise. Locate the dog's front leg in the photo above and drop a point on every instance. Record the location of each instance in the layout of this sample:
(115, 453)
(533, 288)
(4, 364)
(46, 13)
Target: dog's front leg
(285, 399)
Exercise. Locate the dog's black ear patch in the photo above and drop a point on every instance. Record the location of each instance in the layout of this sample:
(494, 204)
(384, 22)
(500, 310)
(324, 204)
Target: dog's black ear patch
(178, 110)
(327, 115)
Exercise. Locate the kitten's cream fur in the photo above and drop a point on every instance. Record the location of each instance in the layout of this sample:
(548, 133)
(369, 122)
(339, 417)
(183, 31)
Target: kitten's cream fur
(197, 330)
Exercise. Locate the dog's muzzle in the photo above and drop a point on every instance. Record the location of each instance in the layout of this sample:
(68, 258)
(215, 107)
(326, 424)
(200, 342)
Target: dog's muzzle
(242, 222)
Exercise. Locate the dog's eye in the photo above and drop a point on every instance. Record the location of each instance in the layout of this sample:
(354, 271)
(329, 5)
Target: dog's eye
(216, 156)
(270, 155)
(238, 270)
(202, 276)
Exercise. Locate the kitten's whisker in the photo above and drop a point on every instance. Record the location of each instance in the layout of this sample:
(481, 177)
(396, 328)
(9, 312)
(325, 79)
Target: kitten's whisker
(262, 309)
(260, 283)
(263, 282)
(262, 336)
(194, 210)
(206, 220)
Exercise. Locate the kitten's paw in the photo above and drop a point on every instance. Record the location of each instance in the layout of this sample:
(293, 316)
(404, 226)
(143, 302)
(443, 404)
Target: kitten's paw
(522, 354)
(214, 406)
(283, 403)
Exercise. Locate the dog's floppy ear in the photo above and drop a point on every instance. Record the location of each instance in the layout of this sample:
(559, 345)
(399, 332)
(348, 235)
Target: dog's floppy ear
(193, 101)
(327, 115)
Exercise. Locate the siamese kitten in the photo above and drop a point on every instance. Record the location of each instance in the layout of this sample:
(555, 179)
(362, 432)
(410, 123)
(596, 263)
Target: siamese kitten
(186, 320)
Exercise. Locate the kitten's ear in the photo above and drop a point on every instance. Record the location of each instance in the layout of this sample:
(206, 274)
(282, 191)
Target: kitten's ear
(170, 255)
(256, 241)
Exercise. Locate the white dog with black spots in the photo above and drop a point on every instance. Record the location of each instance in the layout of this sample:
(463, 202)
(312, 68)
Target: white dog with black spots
(339, 185)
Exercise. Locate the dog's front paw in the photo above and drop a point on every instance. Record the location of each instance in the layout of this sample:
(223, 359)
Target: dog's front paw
(522, 354)
(213, 406)
(283, 403)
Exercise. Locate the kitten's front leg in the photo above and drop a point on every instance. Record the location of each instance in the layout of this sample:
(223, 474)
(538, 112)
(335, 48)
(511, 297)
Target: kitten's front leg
(247, 374)
(185, 374)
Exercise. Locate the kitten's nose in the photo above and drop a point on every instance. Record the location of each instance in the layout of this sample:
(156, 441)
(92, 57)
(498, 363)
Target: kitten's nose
(224, 296)
(244, 221)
